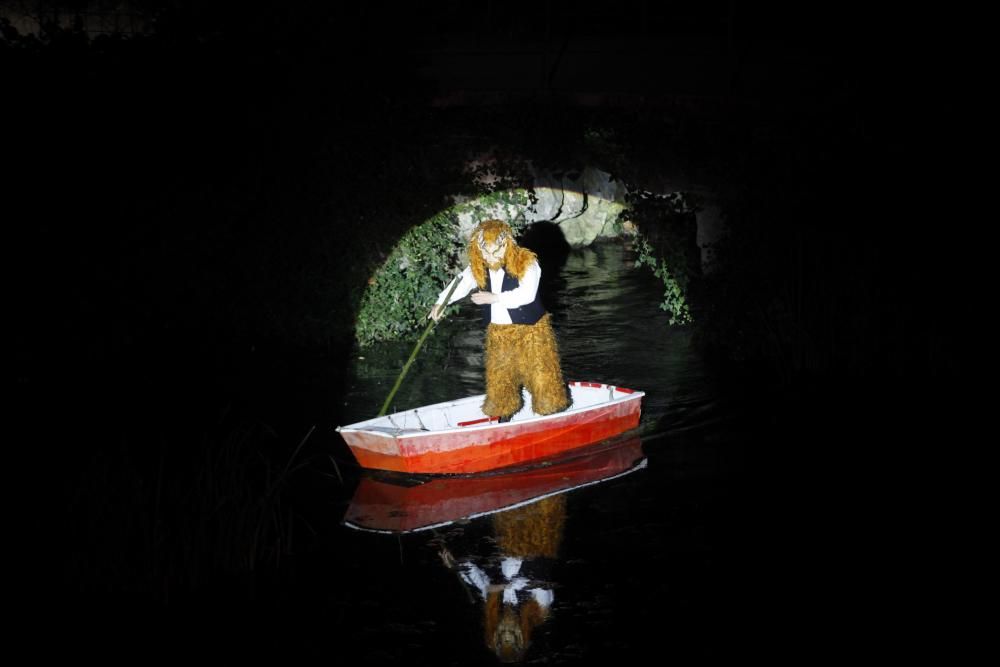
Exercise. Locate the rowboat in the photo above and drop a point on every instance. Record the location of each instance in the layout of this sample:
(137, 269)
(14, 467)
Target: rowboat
(455, 437)
(395, 504)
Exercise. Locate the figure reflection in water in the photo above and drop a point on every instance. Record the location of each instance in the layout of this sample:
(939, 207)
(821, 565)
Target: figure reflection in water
(514, 584)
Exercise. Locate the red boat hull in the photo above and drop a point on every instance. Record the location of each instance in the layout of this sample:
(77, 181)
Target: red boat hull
(501, 447)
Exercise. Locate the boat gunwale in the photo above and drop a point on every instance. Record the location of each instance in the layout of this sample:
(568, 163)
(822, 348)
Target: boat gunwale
(397, 434)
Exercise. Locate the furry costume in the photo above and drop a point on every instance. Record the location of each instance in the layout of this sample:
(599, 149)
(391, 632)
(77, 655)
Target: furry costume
(523, 355)
(517, 355)
(513, 578)
(533, 534)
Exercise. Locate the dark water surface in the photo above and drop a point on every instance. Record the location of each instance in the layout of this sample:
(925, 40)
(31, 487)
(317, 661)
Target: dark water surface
(696, 536)
(639, 562)
(610, 329)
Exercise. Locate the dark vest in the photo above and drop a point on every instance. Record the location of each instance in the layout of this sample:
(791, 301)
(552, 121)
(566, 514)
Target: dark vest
(529, 313)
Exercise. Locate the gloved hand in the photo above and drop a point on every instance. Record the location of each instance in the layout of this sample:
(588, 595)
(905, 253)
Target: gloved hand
(482, 298)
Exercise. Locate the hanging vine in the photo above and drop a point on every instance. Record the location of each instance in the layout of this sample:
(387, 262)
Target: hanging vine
(664, 229)
(401, 292)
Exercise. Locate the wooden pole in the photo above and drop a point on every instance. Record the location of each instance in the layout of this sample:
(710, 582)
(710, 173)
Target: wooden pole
(413, 355)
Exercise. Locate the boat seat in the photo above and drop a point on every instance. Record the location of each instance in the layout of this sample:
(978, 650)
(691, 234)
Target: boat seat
(394, 431)
(474, 422)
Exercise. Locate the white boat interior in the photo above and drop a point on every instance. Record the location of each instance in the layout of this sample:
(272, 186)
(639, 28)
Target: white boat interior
(465, 413)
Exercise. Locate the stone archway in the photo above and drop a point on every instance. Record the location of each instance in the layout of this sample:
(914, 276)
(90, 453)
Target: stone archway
(585, 205)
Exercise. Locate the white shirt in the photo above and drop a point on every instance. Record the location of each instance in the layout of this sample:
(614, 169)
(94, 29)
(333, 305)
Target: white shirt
(511, 569)
(522, 295)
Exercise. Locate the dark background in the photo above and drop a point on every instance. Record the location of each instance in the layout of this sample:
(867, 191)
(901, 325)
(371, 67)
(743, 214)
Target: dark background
(174, 183)
(195, 211)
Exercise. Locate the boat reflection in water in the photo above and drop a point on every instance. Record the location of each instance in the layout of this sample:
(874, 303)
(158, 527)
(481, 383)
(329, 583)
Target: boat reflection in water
(526, 510)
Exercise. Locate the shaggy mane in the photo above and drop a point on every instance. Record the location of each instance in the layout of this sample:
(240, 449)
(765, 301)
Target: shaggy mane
(515, 261)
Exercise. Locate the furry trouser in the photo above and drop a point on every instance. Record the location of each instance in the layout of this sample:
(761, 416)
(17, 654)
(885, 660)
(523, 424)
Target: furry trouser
(523, 355)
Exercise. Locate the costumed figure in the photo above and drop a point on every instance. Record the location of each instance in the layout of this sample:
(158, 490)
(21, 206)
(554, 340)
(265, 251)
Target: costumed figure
(521, 348)
(515, 584)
